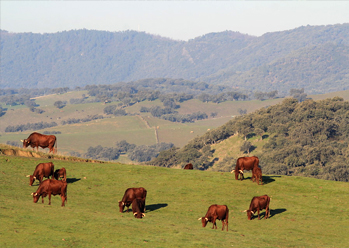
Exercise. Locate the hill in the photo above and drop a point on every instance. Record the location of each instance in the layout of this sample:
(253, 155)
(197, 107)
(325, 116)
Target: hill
(300, 208)
(289, 59)
(306, 139)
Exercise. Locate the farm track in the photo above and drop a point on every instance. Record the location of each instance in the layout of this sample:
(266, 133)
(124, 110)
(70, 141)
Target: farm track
(148, 126)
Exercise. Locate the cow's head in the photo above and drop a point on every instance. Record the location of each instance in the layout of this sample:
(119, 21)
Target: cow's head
(249, 214)
(138, 215)
(31, 179)
(121, 206)
(203, 221)
(35, 197)
(25, 143)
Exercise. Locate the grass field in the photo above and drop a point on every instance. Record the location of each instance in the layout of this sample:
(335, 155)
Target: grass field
(305, 212)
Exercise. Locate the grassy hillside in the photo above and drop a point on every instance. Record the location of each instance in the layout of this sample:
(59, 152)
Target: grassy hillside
(305, 212)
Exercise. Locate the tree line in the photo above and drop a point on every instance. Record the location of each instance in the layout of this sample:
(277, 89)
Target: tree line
(309, 138)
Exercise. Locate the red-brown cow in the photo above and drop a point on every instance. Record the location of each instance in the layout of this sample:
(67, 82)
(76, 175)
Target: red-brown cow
(130, 195)
(216, 212)
(245, 163)
(42, 140)
(257, 174)
(138, 208)
(51, 187)
(258, 203)
(60, 173)
(188, 166)
(41, 170)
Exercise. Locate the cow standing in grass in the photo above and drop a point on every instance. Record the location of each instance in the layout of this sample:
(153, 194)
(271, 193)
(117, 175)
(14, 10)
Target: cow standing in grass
(51, 187)
(258, 203)
(245, 163)
(44, 141)
(138, 208)
(130, 195)
(41, 170)
(60, 173)
(216, 212)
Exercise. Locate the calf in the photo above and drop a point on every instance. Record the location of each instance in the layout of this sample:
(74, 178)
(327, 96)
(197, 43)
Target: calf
(130, 195)
(60, 173)
(258, 203)
(41, 170)
(51, 187)
(257, 175)
(216, 212)
(138, 208)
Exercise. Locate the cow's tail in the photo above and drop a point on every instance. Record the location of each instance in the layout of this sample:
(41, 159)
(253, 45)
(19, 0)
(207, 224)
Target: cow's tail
(56, 147)
(227, 218)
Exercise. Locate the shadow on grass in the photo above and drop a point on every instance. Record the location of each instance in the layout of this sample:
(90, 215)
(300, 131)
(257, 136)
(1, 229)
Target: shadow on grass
(154, 207)
(73, 180)
(271, 214)
(276, 211)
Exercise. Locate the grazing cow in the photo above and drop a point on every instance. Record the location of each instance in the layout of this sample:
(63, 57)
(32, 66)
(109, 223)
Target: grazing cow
(130, 195)
(188, 167)
(245, 163)
(138, 208)
(51, 187)
(257, 174)
(216, 212)
(258, 203)
(42, 140)
(60, 173)
(41, 170)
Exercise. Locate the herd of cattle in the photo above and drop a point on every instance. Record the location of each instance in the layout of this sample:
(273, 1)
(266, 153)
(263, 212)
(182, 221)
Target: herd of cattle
(137, 196)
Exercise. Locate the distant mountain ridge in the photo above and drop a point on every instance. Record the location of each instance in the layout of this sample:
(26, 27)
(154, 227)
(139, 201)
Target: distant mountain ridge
(315, 58)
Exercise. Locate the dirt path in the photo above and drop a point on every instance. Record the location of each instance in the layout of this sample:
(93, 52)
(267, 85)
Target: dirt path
(146, 123)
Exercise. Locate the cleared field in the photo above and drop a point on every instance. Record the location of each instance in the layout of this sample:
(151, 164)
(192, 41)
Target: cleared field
(305, 212)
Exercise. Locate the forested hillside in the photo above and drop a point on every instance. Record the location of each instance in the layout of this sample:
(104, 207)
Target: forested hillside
(313, 57)
(310, 138)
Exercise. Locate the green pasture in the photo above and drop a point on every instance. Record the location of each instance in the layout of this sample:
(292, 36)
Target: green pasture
(305, 212)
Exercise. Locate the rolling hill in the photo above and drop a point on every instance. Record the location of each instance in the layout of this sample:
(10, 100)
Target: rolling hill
(280, 60)
(305, 212)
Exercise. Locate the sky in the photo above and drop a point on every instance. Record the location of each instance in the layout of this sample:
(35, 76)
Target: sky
(178, 20)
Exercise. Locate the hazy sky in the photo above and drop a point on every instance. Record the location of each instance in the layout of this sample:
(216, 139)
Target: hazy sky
(180, 20)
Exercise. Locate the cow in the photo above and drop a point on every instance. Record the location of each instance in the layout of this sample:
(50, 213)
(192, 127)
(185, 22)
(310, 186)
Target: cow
(257, 174)
(138, 208)
(41, 170)
(216, 212)
(60, 173)
(37, 139)
(245, 163)
(130, 195)
(259, 203)
(188, 167)
(51, 187)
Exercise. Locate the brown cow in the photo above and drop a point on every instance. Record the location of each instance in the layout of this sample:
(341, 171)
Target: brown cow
(42, 140)
(51, 187)
(257, 174)
(258, 203)
(138, 208)
(216, 212)
(60, 173)
(41, 170)
(130, 195)
(188, 166)
(245, 163)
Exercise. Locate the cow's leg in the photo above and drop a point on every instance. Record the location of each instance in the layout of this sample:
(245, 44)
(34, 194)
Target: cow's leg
(49, 198)
(42, 199)
(63, 200)
(258, 214)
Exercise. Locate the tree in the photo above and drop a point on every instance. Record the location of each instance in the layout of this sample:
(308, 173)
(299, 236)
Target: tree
(59, 104)
(246, 146)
